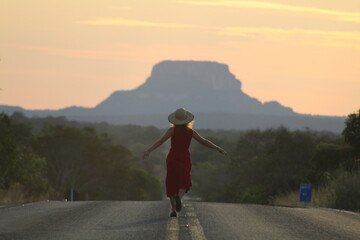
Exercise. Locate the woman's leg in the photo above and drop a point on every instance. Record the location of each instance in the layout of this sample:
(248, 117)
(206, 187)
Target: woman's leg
(175, 208)
(173, 203)
(178, 202)
(181, 192)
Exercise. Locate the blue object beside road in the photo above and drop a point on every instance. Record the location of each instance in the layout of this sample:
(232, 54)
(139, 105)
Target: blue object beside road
(305, 192)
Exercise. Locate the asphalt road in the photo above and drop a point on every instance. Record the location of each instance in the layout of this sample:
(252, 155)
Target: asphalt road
(149, 220)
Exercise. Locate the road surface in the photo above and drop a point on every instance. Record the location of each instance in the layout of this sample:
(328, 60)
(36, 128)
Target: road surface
(149, 220)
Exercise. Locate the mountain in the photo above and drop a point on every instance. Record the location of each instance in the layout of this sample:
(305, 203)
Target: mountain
(202, 87)
(205, 88)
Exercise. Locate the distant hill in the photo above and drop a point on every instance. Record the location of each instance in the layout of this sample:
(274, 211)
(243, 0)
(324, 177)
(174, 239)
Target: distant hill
(202, 87)
(207, 89)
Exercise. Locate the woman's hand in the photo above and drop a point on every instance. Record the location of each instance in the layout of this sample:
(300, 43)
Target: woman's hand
(222, 151)
(145, 155)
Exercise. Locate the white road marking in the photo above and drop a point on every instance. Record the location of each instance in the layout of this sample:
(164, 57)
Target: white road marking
(173, 229)
(191, 214)
(196, 230)
(194, 226)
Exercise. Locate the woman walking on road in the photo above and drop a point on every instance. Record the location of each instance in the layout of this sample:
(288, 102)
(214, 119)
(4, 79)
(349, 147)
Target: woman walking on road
(178, 161)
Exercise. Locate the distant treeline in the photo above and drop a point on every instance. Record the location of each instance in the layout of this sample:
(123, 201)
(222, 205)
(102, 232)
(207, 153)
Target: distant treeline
(102, 161)
(204, 120)
(265, 164)
(63, 161)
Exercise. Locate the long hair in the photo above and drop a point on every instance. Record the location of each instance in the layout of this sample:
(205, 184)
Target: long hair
(188, 125)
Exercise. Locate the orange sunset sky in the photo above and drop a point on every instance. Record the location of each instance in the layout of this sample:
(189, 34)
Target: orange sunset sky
(304, 54)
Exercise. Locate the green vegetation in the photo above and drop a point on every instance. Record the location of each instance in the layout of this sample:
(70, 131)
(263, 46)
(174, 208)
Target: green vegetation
(20, 166)
(59, 158)
(267, 165)
(67, 162)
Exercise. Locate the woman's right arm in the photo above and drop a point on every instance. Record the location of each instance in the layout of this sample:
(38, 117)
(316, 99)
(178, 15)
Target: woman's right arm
(158, 143)
(207, 143)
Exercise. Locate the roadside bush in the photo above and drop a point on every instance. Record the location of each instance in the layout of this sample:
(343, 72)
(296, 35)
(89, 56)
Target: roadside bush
(347, 191)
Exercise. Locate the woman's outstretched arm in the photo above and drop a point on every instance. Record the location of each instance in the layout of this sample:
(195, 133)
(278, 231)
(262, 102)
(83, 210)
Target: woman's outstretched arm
(158, 143)
(207, 143)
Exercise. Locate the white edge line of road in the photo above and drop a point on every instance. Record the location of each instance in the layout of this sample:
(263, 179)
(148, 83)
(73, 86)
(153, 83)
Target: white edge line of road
(21, 205)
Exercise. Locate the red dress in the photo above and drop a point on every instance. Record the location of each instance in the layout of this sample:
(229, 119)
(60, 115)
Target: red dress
(178, 162)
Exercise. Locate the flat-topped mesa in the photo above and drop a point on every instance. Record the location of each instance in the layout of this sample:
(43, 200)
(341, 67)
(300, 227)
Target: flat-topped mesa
(180, 75)
(200, 86)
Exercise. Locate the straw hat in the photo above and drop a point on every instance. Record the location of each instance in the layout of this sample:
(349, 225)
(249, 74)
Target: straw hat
(180, 117)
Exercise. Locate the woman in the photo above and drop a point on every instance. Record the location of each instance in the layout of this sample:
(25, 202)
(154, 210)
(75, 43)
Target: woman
(178, 162)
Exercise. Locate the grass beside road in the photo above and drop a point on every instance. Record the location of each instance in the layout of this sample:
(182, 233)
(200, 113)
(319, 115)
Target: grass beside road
(16, 195)
(322, 197)
(342, 192)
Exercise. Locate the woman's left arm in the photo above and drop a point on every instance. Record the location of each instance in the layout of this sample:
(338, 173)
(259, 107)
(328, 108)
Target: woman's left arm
(207, 143)
(158, 143)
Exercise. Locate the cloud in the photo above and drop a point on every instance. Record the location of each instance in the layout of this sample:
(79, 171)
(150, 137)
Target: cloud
(314, 37)
(123, 52)
(351, 19)
(339, 15)
(77, 53)
(134, 23)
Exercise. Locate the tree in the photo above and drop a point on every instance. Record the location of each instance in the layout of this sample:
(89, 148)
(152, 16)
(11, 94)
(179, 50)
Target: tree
(271, 162)
(351, 135)
(64, 150)
(351, 132)
(19, 164)
(210, 170)
(80, 161)
(327, 159)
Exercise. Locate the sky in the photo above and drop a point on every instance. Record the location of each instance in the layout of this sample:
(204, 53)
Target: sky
(304, 54)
